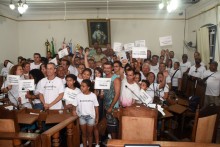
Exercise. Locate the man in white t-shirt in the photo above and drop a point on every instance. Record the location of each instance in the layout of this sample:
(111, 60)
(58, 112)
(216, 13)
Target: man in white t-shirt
(162, 68)
(197, 70)
(37, 61)
(185, 64)
(212, 84)
(171, 54)
(51, 89)
(130, 91)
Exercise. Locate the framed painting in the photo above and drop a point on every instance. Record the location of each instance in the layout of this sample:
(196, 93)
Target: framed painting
(99, 31)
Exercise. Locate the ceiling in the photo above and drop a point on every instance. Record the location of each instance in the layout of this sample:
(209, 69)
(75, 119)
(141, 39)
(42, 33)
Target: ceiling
(88, 5)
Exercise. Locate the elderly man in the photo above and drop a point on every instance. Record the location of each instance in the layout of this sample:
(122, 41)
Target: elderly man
(212, 79)
(51, 89)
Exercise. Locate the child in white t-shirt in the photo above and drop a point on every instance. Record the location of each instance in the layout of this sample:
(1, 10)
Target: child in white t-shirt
(71, 90)
(88, 112)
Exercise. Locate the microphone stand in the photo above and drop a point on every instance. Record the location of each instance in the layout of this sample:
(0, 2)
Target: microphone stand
(135, 95)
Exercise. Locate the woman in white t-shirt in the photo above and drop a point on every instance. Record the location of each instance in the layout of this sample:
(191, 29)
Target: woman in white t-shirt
(71, 91)
(176, 77)
(16, 97)
(87, 105)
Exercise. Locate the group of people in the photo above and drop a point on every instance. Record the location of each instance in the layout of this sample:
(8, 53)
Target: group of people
(130, 78)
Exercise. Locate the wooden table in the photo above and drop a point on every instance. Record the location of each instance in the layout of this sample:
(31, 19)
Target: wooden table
(24, 118)
(120, 143)
(176, 108)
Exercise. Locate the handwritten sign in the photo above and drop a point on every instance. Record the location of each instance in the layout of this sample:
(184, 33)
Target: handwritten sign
(139, 52)
(140, 43)
(63, 53)
(70, 95)
(102, 83)
(145, 97)
(54, 60)
(13, 79)
(165, 41)
(117, 46)
(26, 85)
(128, 47)
(122, 55)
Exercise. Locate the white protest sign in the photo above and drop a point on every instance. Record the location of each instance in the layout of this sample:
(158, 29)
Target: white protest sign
(145, 97)
(70, 95)
(140, 43)
(26, 85)
(63, 53)
(13, 79)
(165, 41)
(117, 46)
(139, 52)
(23, 98)
(102, 83)
(54, 60)
(128, 47)
(122, 55)
(9, 66)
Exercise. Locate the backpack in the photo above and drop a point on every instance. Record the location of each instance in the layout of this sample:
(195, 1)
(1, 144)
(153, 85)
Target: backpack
(193, 102)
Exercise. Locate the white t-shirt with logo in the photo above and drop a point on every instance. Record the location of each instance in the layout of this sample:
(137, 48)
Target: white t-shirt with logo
(155, 68)
(184, 66)
(75, 92)
(86, 104)
(178, 75)
(213, 83)
(34, 66)
(51, 90)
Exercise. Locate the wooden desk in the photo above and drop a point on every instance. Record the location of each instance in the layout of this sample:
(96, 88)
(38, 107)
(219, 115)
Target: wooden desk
(33, 137)
(56, 118)
(176, 108)
(24, 118)
(120, 143)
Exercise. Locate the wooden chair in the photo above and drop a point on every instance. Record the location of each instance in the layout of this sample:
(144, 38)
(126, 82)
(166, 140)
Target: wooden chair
(205, 125)
(139, 122)
(200, 91)
(9, 131)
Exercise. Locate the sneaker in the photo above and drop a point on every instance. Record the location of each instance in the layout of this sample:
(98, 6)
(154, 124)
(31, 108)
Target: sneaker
(109, 136)
(81, 145)
(97, 145)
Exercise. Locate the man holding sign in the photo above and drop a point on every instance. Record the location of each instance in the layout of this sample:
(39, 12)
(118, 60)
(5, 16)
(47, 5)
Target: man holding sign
(111, 99)
(51, 89)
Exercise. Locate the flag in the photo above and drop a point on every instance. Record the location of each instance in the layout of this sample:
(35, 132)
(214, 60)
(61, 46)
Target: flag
(52, 48)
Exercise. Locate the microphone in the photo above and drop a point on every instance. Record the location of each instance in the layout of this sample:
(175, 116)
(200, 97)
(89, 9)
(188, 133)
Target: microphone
(135, 94)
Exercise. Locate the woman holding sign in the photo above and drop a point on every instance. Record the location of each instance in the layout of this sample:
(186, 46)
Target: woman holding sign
(11, 85)
(71, 90)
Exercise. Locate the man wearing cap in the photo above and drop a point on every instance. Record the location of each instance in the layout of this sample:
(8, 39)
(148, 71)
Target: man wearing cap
(212, 79)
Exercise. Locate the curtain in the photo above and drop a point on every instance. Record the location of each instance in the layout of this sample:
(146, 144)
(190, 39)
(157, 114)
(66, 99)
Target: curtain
(203, 44)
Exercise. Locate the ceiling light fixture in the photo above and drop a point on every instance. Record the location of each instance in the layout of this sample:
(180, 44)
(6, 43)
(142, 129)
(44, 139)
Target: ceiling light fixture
(22, 6)
(171, 5)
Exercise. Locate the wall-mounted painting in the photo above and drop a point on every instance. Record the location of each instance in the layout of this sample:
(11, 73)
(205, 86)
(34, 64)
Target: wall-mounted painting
(99, 31)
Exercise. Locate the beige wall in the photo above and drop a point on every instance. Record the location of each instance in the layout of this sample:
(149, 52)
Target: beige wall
(33, 34)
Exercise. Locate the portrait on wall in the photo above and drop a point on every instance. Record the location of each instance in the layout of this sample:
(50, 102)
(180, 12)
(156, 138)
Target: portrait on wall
(99, 31)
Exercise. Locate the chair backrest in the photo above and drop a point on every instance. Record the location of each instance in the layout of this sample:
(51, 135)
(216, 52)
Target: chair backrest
(139, 123)
(7, 123)
(200, 91)
(205, 124)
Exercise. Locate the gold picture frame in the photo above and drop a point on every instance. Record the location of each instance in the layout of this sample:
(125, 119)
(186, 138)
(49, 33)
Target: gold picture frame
(99, 31)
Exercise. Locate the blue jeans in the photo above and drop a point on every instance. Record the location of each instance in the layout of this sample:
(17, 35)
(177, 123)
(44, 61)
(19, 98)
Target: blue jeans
(86, 119)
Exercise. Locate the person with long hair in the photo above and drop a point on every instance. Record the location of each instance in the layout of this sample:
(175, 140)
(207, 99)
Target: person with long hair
(72, 86)
(37, 75)
(100, 96)
(87, 110)
(16, 97)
